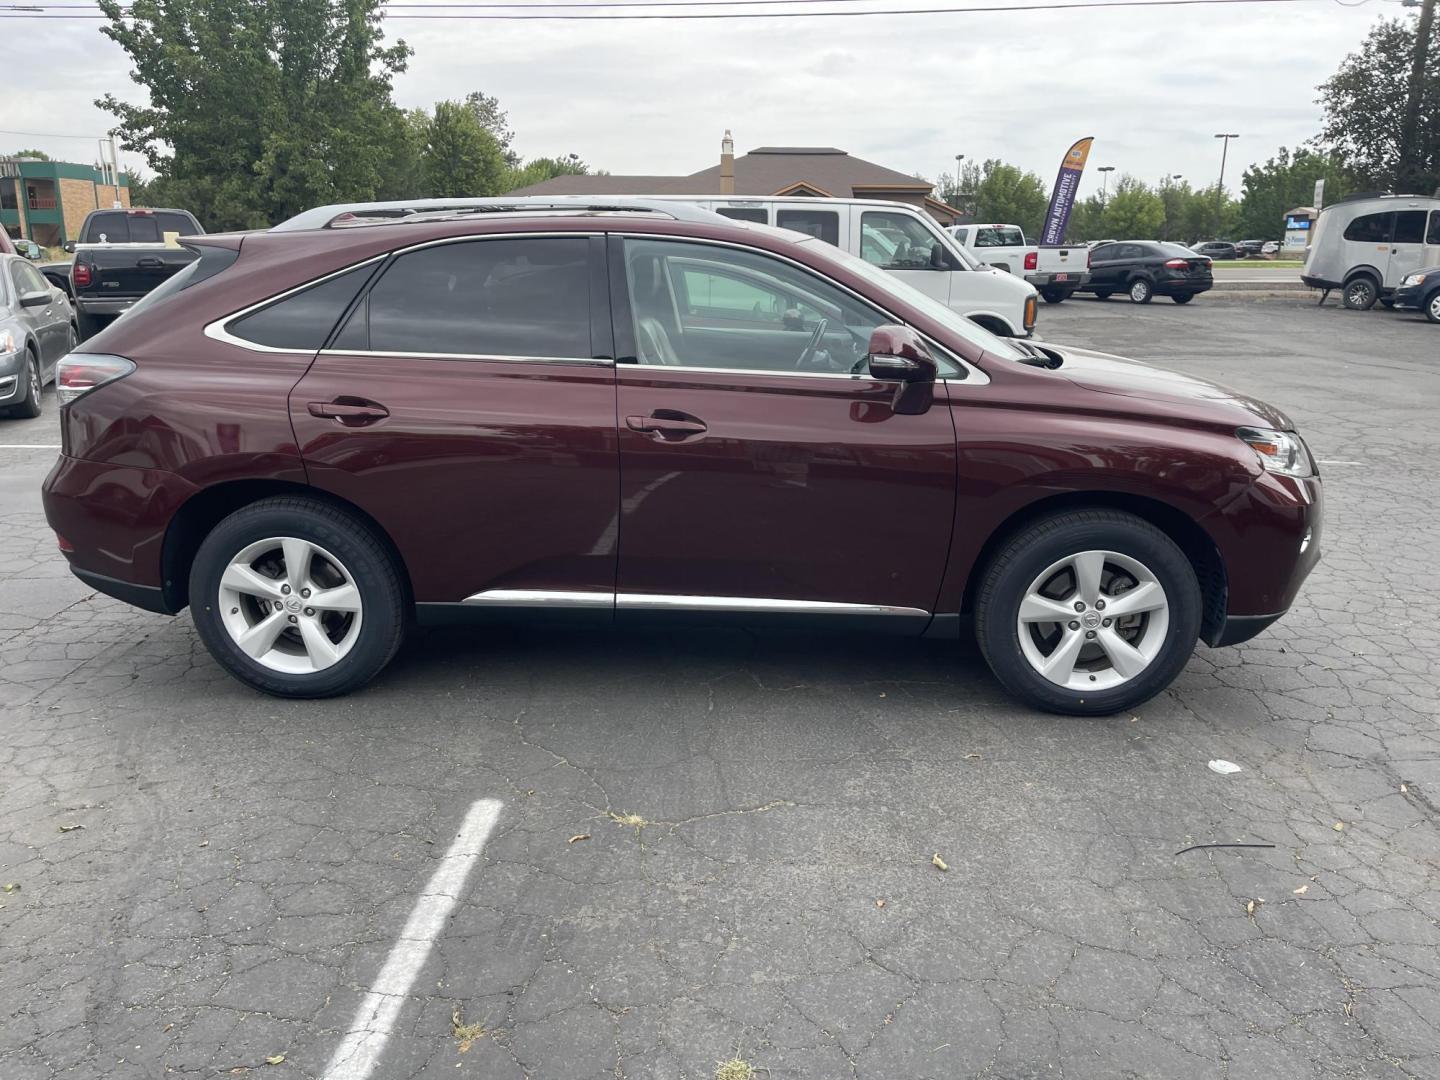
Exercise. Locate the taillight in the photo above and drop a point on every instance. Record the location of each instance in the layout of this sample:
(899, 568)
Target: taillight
(79, 373)
(1089, 254)
(1032, 260)
(81, 273)
(1177, 264)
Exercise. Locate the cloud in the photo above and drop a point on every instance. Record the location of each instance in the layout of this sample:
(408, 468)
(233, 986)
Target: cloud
(910, 92)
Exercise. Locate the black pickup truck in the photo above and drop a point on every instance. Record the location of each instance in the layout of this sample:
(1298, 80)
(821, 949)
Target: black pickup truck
(121, 256)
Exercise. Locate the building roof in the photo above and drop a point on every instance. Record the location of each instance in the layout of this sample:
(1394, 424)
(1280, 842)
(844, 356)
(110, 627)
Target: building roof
(766, 170)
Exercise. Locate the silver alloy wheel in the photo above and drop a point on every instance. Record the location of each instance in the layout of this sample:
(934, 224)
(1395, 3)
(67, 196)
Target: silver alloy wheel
(290, 605)
(37, 388)
(1435, 308)
(1093, 620)
(1358, 293)
(1138, 291)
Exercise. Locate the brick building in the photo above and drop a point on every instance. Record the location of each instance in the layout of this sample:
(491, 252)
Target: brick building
(46, 201)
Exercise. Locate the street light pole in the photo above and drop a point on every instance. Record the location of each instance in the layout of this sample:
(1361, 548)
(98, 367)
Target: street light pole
(1220, 188)
(1105, 171)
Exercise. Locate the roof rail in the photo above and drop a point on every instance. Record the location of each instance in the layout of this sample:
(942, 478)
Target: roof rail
(324, 217)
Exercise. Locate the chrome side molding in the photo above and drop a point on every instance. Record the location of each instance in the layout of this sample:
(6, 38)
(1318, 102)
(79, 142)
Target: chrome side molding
(541, 598)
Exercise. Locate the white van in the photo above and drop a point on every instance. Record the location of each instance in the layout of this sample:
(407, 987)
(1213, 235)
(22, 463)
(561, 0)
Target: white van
(898, 238)
(1366, 245)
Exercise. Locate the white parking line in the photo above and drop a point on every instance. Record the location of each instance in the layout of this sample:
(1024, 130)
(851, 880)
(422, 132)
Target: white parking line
(360, 1051)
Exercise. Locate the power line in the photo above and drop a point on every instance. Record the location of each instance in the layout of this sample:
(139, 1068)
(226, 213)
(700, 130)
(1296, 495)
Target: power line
(16, 13)
(49, 135)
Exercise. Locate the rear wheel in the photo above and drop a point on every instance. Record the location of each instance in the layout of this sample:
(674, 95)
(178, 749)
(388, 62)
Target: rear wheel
(1183, 297)
(1432, 307)
(297, 598)
(1361, 292)
(1104, 294)
(1141, 291)
(1055, 296)
(1088, 612)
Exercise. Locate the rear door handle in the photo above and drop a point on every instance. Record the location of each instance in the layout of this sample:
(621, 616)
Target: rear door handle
(355, 413)
(666, 427)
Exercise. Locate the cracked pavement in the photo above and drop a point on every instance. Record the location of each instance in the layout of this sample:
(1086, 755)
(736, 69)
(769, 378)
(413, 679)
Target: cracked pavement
(244, 864)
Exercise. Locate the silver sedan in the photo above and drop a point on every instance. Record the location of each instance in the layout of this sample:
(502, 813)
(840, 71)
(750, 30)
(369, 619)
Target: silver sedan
(37, 328)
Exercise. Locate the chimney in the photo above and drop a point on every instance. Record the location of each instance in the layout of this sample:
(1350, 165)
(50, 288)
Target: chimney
(727, 164)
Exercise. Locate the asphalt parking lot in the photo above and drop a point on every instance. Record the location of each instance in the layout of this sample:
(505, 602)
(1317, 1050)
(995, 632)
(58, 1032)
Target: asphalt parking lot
(680, 849)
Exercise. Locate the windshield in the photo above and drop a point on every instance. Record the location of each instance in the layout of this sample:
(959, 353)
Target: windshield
(951, 320)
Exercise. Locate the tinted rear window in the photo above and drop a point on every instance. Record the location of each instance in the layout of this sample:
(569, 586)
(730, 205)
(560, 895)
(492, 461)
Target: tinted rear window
(303, 320)
(119, 227)
(1410, 227)
(513, 297)
(1175, 251)
(821, 224)
(1370, 229)
(743, 213)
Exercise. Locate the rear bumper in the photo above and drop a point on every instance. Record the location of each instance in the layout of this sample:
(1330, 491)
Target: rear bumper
(1073, 279)
(148, 597)
(1314, 282)
(1238, 628)
(1182, 286)
(104, 307)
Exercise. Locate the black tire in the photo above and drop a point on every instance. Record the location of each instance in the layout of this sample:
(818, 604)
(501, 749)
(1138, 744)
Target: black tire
(353, 543)
(1104, 294)
(29, 406)
(1141, 291)
(1183, 297)
(1028, 554)
(1432, 306)
(1360, 293)
(1055, 296)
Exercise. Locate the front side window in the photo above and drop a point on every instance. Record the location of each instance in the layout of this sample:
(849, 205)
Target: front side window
(522, 297)
(1370, 229)
(1410, 227)
(702, 305)
(744, 213)
(894, 241)
(821, 224)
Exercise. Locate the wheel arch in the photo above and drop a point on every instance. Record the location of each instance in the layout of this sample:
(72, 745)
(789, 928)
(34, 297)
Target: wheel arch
(199, 514)
(1363, 270)
(996, 324)
(1189, 535)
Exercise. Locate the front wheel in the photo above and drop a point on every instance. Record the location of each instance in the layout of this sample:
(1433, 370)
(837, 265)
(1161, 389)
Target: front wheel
(297, 598)
(1088, 612)
(1141, 291)
(34, 386)
(1432, 307)
(1183, 298)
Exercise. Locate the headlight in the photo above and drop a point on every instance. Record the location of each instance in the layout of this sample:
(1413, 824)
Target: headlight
(1414, 279)
(1280, 451)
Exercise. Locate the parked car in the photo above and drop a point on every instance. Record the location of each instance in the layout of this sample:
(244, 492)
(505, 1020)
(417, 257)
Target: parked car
(1215, 249)
(1271, 247)
(901, 239)
(1145, 269)
(1366, 245)
(1248, 248)
(1056, 271)
(37, 328)
(1420, 292)
(122, 255)
(379, 411)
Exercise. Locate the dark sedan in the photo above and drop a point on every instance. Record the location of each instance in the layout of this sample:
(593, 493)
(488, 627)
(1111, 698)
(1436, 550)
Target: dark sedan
(1147, 268)
(1420, 292)
(1216, 249)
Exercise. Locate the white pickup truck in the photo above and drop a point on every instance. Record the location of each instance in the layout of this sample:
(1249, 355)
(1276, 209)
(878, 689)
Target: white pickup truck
(1055, 271)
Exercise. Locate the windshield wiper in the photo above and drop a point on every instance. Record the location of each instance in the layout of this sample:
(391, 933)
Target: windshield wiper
(1038, 357)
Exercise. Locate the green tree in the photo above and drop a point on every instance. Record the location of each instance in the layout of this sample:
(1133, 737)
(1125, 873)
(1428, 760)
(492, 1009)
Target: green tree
(1007, 194)
(545, 168)
(1366, 104)
(462, 159)
(1286, 181)
(1133, 211)
(258, 111)
(1087, 221)
(496, 121)
(39, 155)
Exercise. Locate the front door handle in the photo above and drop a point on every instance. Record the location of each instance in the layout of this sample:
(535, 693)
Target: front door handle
(673, 428)
(348, 412)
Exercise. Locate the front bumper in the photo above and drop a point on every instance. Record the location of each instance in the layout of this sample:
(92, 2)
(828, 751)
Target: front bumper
(1412, 296)
(12, 377)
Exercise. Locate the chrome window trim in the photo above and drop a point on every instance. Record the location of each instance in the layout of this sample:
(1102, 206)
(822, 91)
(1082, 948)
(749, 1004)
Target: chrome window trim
(623, 601)
(498, 358)
(972, 373)
(752, 372)
(218, 330)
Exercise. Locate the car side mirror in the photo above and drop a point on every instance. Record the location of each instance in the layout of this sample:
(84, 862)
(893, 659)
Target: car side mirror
(899, 354)
(939, 258)
(69, 247)
(34, 299)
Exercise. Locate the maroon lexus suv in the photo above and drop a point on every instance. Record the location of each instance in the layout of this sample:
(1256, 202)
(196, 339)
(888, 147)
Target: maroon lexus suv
(385, 413)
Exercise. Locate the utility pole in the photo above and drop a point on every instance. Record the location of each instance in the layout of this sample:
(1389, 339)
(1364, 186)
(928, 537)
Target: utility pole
(1220, 187)
(1410, 163)
(115, 171)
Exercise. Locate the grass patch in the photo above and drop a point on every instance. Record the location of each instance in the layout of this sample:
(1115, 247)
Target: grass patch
(465, 1033)
(633, 820)
(734, 1069)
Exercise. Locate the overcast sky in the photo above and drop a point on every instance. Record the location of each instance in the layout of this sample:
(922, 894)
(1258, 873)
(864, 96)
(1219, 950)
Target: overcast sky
(909, 92)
